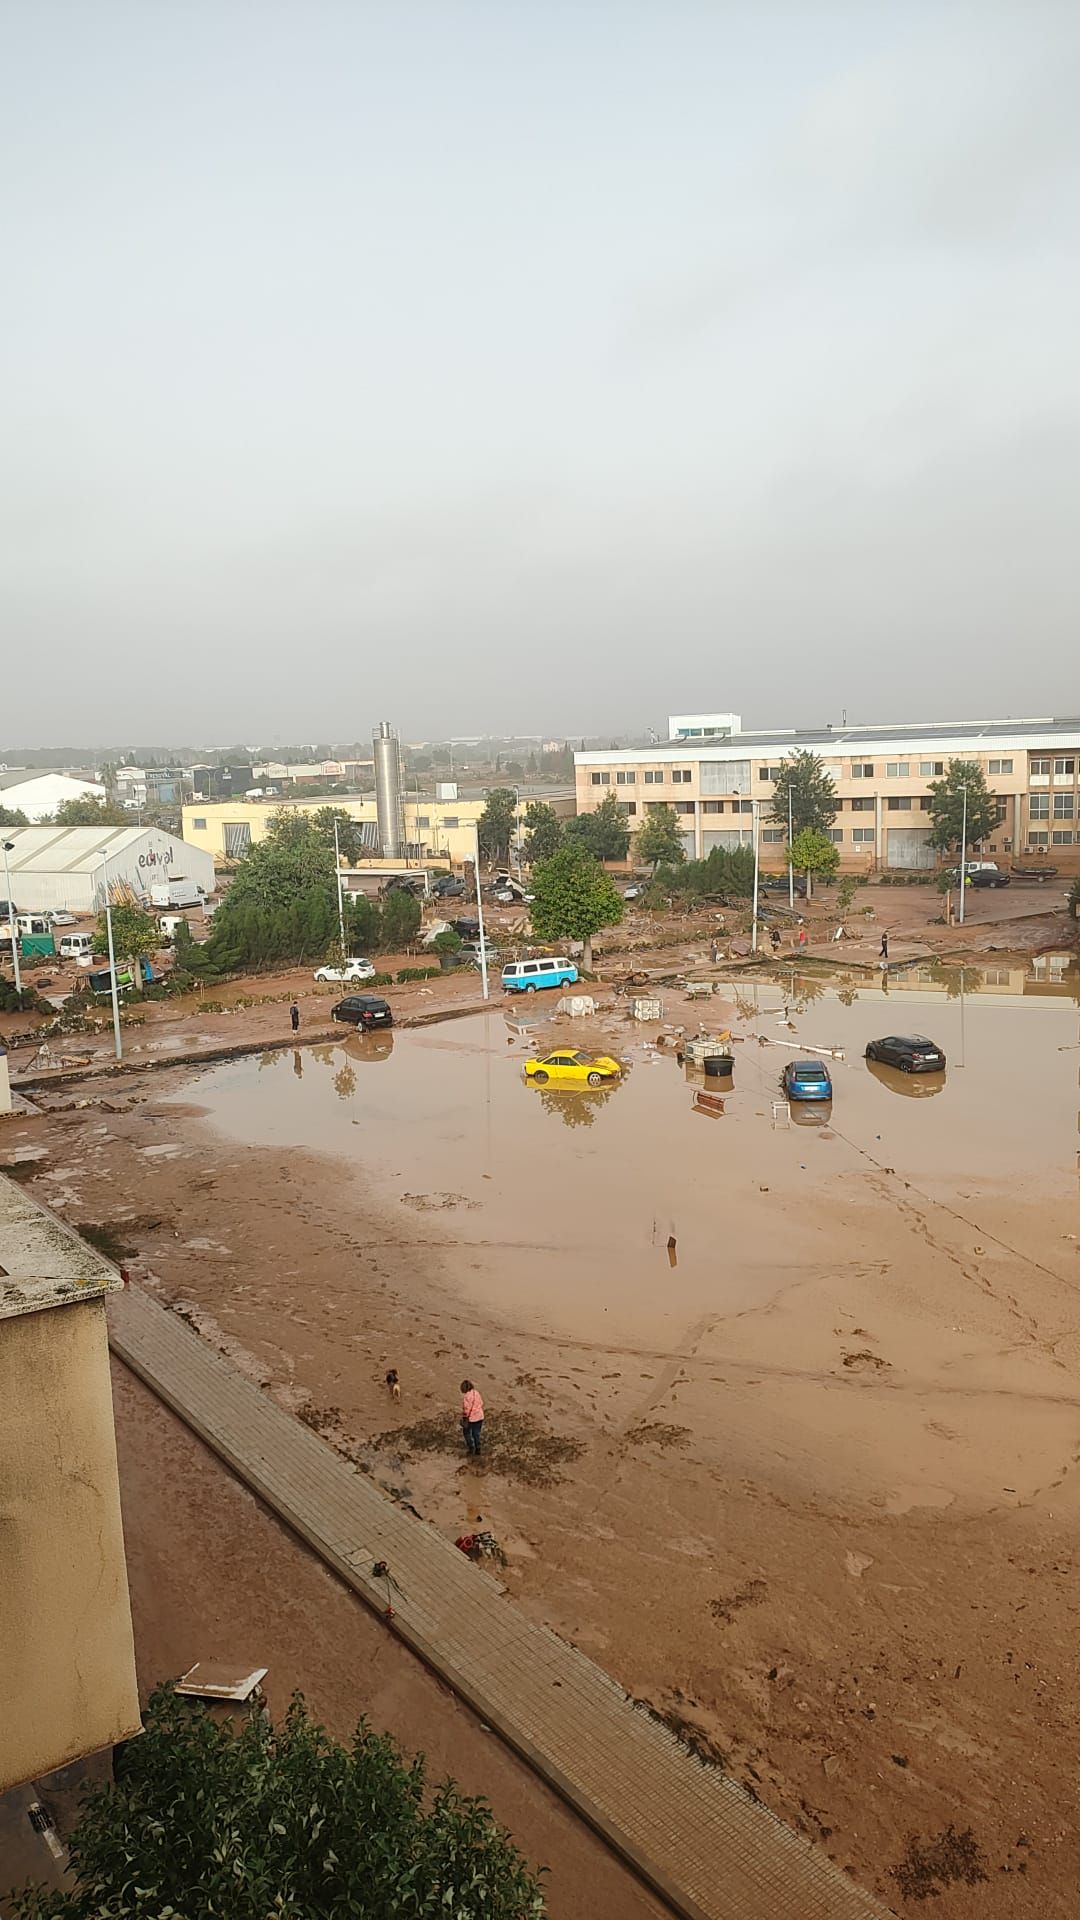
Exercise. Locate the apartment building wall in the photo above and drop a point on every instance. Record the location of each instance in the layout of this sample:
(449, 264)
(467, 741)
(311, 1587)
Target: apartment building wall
(435, 829)
(883, 790)
(67, 1667)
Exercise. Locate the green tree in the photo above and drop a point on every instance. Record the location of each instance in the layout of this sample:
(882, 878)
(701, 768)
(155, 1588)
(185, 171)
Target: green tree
(543, 835)
(89, 812)
(400, 921)
(947, 807)
(350, 838)
(813, 795)
(496, 824)
(658, 839)
(13, 817)
(281, 907)
(135, 934)
(363, 928)
(281, 1820)
(574, 898)
(604, 832)
(814, 854)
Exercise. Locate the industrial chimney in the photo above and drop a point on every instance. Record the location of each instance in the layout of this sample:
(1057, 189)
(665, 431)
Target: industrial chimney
(388, 791)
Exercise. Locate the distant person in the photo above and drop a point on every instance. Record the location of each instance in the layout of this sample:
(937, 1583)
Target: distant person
(472, 1417)
(294, 1016)
(802, 935)
(774, 936)
(393, 1383)
(885, 946)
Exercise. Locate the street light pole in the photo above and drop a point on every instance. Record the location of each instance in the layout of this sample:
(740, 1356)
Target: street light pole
(9, 847)
(480, 908)
(757, 868)
(117, 1042)
(790, 864)
(963, 857)
(340, 902)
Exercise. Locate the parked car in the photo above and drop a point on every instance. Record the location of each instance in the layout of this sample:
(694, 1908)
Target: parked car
(912, 1053)
(806, 1080)
(507, 896)
(60, 919)
(632, 893)
(1038, 873)
(778, 883)
(573, 1069)
(529, 976)
(471, 949)
(76, 946)
(985, 877)
(468, 927)
(363, 1010)
(358, 969)
(448, 887)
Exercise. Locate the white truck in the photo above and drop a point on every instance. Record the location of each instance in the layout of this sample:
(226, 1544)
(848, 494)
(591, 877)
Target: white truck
(177, 892)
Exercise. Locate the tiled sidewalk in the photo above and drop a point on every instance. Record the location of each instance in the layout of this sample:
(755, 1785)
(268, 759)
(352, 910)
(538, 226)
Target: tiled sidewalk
(708, 1849)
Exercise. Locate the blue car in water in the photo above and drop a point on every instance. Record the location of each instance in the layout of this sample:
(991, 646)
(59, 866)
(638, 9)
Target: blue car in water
(806, 1080)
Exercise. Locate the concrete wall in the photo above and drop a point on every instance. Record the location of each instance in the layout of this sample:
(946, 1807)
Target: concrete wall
(442, 828)
(67, 1668)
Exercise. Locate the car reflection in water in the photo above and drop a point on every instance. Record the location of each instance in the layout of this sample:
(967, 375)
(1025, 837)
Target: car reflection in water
(914, 1086)
(364, 1049)
(575, 1106)
(810, 1113)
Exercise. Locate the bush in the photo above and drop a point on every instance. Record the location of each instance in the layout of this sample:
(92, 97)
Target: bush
(28, 1001)
(414, 973)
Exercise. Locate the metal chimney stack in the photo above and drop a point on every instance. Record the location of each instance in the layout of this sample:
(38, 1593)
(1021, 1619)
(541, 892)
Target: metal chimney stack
(388, 791)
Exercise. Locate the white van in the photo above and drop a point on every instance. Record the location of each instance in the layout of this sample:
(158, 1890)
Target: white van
(76, 946)
(529, 976)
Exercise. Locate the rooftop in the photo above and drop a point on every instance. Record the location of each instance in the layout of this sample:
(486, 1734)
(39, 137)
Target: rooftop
(854, 739)
(67, 849)
(43, 1263)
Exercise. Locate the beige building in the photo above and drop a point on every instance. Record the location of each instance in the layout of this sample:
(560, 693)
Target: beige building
(67, 1664)
(882, 777)
(437, 828)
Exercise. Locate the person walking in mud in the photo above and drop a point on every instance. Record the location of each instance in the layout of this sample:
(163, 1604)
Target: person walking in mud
(884, 954)
(294, 1016)
(774, 936)
(472, 1418)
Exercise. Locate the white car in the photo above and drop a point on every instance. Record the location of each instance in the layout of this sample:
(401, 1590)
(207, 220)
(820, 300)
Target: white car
(352, 970)
(59, 919)
(633, 893)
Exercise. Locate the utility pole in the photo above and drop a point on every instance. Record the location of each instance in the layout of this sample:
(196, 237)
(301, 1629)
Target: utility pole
(963, 858)
(117, 1042)
(754, 816)
(790, 867)
(480, 908)
(9, 847)
(340, 901)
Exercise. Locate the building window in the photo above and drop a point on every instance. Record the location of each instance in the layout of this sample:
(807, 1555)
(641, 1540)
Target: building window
(861, 835)
(1062, 837)
(742, 806)
(897, 769)
(835, 834)
(655, 806)
(654, 778)
(712, 806)
(768, 773)
(1001, 766)
(1038, 839)
(450, 822)
(625, 779)
(627, 806)
(925, 803)
(1001, 808)
(899, 803)
(1040, 769)
(1038, 806)
(422, 820)
(684, 806)
(1063, 806)
(199, 823)
(861, 806)
(237, 836)
(931, 769)
(601, 779)
(862, 769)
(681, 774)
(1064, 767)
(771, 835)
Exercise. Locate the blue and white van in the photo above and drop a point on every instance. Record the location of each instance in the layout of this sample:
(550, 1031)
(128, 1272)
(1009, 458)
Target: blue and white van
(527, 976)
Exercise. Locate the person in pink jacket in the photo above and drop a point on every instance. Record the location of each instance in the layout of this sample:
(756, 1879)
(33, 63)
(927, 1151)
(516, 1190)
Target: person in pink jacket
(472, 1416)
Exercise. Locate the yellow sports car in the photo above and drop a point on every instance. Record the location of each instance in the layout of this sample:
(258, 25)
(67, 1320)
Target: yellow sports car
(573, 1069)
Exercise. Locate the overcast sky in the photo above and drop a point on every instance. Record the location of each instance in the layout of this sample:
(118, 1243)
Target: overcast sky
(536, 364)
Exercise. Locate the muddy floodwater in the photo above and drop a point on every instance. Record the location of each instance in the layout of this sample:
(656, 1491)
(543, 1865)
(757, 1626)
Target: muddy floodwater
(637, 1207)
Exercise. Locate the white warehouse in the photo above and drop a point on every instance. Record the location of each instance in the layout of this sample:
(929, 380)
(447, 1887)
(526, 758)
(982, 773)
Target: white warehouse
(62, 867)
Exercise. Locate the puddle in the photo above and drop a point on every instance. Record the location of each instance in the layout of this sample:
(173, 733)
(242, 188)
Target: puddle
(568, 1203)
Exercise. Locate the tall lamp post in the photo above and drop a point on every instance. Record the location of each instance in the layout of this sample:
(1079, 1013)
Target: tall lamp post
(480, 907)
(9, 847)
(117, 1042)
(963, 857)
(340, 902)
(790, 865)
(757, 872)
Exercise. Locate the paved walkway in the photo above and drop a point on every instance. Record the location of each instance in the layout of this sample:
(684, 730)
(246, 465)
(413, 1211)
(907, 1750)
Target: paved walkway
(704, 1846)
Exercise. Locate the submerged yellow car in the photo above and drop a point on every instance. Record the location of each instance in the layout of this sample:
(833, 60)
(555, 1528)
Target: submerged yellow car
(573, 1069)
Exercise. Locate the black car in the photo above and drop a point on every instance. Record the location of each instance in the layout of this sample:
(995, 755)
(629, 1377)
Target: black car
(988, 877)
(468, 927)
(778, 883)
(448, 887)
(363, 1010)
(912, 1053)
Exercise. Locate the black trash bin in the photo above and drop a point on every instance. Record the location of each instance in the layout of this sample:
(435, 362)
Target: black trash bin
(719, 1066)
